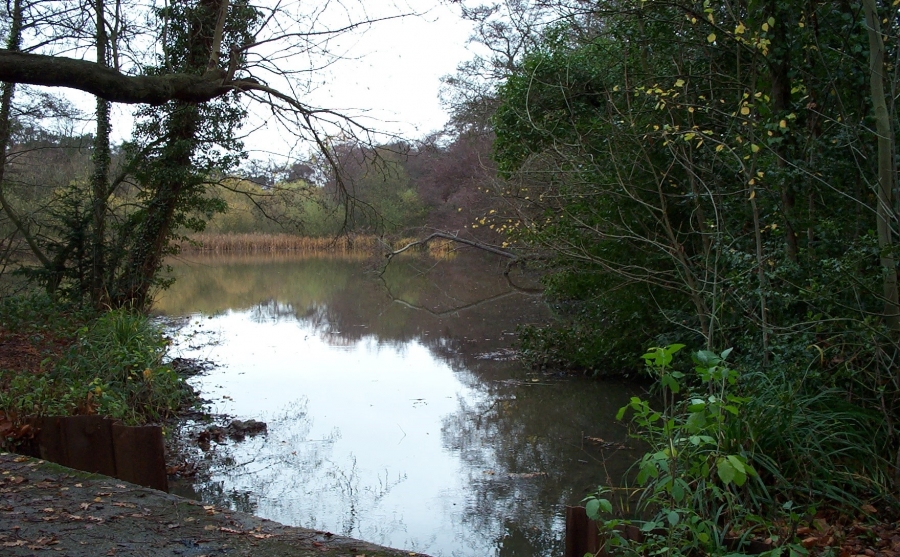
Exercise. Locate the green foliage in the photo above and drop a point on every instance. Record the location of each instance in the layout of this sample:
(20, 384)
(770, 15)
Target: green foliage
(684, 147)
(730, 452)
(113, 366)
(382, 198)
(817, 444)
(699, 461)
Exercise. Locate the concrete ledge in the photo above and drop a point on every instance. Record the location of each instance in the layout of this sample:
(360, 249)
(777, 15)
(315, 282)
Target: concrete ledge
(46, 508)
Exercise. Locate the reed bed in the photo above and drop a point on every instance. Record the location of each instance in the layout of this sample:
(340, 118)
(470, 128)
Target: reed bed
(281, 243)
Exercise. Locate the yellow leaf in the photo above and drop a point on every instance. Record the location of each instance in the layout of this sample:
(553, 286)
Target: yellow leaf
(711, 37)
(754, 147)
(771, 21)
(752, 194)
(765, 26)
(740, 29)
(782, 124)
(679, 83)
(719, 147)
(751, 182)
(745, 110)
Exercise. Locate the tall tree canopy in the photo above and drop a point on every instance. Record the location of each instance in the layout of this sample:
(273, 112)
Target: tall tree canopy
(194, 67)
(722, 172)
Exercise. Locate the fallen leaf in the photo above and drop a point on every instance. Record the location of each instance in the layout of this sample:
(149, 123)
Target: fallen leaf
(229, 530)
(85, 506)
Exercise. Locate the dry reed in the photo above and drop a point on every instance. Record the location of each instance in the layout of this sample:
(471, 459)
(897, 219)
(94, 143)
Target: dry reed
(280, 243)
(349, 245)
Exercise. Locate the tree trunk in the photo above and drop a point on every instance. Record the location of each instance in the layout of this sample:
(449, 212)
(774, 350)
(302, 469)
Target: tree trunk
(100, 177)
(173, 175)
(885, 184)
(779, 71)
(146, 254)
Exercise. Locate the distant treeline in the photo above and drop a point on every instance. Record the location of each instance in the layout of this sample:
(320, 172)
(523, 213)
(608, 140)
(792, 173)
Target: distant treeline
(383, 190)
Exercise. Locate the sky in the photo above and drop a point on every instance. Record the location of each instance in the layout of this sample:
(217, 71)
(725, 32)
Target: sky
(389, 75)
(397, 76)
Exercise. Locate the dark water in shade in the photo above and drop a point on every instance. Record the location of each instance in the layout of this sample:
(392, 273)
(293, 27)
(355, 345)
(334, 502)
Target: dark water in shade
(394, 414)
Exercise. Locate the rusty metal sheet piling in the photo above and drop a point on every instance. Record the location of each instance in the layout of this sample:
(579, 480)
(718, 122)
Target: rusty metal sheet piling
(103, 446)
(140, 455)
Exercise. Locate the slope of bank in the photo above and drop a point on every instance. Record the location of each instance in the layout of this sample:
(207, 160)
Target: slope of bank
(46, 507)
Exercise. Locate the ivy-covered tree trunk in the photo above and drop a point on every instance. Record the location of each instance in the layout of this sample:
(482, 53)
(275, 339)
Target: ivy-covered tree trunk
(175, 174)
(170, 180)
(100, 177)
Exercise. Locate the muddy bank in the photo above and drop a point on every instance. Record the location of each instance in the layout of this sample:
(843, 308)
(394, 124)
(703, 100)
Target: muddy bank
(49, 508)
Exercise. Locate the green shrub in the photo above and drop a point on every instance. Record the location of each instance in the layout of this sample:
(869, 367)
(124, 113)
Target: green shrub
(109, 364)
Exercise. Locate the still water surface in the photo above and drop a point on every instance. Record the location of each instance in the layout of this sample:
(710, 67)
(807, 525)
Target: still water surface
(395, 414)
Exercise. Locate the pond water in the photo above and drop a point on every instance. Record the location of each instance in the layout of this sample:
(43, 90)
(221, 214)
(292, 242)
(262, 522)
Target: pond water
(395, 412)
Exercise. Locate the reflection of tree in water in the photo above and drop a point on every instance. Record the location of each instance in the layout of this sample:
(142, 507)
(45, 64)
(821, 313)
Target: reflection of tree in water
(215, 493)
(283, 475)
(242, 473)
(519, 542)
(358, 498)
(521, 444)
(524, 452)
(458, 309)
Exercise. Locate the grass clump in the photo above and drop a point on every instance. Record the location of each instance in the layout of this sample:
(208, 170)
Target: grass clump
(734, 458)
(63, 361)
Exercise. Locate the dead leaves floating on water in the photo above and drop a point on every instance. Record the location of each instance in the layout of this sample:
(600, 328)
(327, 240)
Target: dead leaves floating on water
(604, 444)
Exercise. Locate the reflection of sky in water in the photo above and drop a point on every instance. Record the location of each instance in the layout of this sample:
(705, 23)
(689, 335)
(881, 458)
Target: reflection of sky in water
(371, 420)
(385, 423)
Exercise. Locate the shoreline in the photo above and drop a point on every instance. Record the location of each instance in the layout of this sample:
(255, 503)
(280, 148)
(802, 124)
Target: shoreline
(50, 507)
